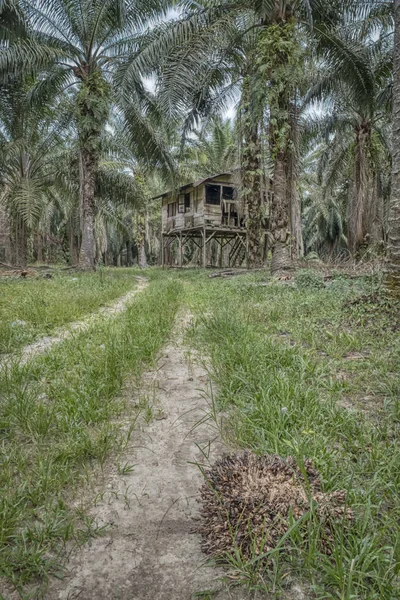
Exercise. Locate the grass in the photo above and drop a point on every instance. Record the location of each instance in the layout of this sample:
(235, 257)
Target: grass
(33, 307)
(58, 419)
(302, 371)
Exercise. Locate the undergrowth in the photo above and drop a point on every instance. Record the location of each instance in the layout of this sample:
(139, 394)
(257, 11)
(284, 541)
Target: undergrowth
(57, 420)
(33, 307)
(291, 367)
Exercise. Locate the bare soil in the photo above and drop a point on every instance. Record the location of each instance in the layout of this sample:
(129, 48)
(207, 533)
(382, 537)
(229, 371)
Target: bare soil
(150, 552)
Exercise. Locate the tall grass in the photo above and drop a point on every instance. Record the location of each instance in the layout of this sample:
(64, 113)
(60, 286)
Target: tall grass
(279, 358)
(33, 307)
(57, 419)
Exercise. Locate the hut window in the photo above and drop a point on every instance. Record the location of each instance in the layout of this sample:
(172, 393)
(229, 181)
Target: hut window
(228, 193)
(187, 202)
(172, 209)
(213, 194)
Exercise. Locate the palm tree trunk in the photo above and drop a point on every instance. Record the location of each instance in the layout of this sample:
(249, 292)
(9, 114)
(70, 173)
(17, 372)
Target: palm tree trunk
(141, 241)
(87, 254)
(39, 247)
(294, 203)
(281, 51)
(142, 259)
(5, 236)
(93, 109)
(393, 279)
(19, 243)
(358, 213)
(72, 243)
(376, 213)
(279, 227)
(252, 188)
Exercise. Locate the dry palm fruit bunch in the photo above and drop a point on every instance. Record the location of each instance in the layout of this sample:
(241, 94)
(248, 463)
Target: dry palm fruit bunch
(249, 501)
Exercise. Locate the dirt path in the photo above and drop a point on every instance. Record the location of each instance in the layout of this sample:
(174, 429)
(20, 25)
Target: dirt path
(150, 552)
(66, 332)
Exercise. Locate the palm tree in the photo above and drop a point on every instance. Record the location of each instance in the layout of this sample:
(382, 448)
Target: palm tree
(323, 212)
(217, 49)
(394, 216)
(30, 142)
(209, 150)
(354, 125)
(79, 45)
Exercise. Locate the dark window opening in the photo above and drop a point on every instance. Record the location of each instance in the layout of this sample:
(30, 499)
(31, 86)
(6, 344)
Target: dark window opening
(172, 209)
(228, 193)
(213, 194)
(187, 202)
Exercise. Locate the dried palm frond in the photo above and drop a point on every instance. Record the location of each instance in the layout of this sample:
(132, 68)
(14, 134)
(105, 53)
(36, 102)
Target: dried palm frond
(249, 502)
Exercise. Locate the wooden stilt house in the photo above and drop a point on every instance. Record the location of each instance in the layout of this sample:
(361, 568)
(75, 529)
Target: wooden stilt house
(203, 211)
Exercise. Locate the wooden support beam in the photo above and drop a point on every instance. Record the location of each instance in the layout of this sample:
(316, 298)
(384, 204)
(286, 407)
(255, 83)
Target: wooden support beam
(204, 247)
(170, 241)
(196, 243)
(180, 249)
(162, 250)
(233, 251)
(210, 238)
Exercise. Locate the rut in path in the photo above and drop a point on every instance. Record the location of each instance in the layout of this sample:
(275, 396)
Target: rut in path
(66, 332)
(149, 553)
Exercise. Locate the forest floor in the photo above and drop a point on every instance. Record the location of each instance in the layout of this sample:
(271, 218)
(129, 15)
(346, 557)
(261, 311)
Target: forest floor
(104, 433)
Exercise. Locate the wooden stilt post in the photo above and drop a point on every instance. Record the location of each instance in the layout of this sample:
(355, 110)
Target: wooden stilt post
(180, 248)
(162, 250)
(204, 248)
(221, 251)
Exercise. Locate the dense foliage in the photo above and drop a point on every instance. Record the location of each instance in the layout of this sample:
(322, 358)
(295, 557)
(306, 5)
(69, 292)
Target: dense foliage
(105, 104)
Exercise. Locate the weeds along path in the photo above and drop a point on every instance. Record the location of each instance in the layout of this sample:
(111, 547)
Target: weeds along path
(66, 332)
(149, 552)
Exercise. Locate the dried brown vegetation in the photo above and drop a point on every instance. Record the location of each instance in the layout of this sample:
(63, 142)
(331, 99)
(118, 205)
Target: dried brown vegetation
(249, 502)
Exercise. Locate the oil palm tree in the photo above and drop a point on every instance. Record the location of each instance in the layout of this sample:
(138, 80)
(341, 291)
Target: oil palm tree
(394, 216)
(220, 49)
(209, 150)
(78, 45)
(30, 142)
(354, 125)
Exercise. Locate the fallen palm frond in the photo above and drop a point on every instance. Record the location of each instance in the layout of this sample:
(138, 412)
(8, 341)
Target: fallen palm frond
(249, 502)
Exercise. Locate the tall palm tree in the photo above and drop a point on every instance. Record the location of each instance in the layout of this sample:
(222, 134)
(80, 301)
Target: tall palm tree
(354, 131)
(218, 48)
(79, 45)
(30, 142)
(394, 216)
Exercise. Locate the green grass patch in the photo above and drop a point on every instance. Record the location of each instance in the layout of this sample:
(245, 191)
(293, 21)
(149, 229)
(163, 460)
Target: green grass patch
(58, 419)
(291, 363)
(33, 307)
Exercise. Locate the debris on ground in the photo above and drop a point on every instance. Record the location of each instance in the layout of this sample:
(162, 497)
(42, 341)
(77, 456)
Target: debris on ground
(24, 273)
(367, 308)
(249, 501)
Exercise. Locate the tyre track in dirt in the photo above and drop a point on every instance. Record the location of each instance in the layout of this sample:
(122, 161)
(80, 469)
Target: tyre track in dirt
(45, 343)
(149, 552)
